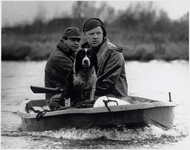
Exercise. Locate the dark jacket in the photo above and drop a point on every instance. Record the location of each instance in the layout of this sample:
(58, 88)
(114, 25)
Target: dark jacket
(59, 69)
(115, 85)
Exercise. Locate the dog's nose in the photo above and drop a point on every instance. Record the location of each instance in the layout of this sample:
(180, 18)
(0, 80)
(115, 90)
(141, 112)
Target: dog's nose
(85, 61)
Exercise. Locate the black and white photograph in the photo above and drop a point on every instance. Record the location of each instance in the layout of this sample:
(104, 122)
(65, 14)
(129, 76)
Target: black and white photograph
(95, 75)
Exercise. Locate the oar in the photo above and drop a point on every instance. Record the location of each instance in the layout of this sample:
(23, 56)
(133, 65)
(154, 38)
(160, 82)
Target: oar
(36, 89)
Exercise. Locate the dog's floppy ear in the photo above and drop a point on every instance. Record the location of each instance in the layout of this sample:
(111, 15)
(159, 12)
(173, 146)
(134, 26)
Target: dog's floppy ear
(96, 64)
(78, 61)
(94, 61)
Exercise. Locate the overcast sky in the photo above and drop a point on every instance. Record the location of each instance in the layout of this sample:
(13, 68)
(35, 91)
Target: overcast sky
(14, 12)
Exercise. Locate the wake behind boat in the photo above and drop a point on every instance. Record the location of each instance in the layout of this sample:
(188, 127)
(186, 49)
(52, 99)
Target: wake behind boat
(139, 113)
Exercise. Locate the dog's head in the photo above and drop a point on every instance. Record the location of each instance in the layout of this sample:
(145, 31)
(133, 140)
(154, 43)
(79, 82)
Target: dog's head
(85, 59)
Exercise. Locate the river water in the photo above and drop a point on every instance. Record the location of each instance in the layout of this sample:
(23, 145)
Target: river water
(152, 79)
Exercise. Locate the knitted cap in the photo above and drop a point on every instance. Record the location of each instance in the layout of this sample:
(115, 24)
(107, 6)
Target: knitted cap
(93, 23)
(72, 32)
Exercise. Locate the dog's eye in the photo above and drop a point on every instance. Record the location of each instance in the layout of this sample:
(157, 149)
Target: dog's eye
(89, 55)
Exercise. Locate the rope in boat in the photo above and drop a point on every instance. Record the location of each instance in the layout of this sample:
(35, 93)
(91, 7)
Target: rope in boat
(83, 104)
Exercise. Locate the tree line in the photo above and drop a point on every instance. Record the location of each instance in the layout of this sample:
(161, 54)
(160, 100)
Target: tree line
(143, 31)
(141, 17)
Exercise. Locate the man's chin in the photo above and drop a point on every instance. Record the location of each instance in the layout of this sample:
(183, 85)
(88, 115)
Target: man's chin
(94, 45)
(75, 50)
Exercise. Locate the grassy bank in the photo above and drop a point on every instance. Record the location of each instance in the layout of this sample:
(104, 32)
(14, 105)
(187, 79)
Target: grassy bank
(146, 52)
(27, 47)
(39, 46)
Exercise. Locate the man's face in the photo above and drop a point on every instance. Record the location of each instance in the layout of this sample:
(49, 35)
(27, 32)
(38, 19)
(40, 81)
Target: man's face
(94, 37)
(73, 44)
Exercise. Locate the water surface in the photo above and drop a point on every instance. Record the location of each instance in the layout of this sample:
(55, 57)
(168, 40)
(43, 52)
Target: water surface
(154, 79)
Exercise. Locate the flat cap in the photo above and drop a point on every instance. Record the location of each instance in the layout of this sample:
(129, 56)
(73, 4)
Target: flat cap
(72, 32)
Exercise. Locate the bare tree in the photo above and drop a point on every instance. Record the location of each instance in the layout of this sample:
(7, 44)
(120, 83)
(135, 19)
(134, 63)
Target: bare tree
(106, 12)
(83, 9)
(41, 13)
(87, 9)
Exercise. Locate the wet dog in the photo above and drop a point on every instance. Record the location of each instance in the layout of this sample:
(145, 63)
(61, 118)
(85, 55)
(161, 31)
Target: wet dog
(85, 78)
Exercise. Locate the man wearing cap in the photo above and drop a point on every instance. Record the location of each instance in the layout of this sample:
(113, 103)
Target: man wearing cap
(59, 67)
(109, 55)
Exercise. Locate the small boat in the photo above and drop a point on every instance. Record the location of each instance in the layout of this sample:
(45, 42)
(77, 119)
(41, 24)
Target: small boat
(141, 112)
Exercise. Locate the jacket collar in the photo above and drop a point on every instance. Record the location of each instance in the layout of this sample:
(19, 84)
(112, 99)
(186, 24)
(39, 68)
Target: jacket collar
(64, 48)
(103, 48)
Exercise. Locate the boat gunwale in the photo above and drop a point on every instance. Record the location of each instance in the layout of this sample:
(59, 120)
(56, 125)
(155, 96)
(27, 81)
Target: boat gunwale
(121, 108)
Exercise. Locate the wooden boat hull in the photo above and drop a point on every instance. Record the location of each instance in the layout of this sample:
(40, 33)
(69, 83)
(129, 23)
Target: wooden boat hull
(133, 115)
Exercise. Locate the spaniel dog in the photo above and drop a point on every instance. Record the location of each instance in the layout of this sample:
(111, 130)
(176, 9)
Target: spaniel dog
(85, 78)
